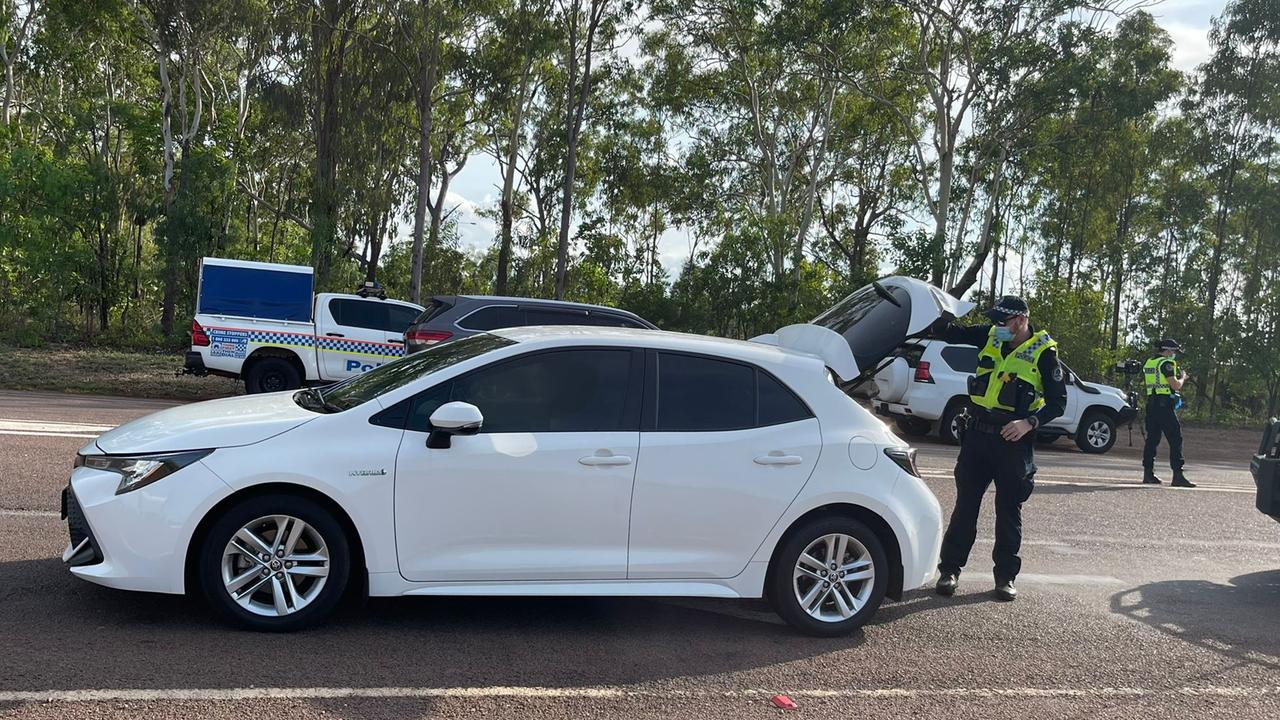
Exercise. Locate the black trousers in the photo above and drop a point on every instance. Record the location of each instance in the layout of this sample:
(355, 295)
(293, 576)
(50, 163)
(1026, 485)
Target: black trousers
(1162, 420)
(986, 458)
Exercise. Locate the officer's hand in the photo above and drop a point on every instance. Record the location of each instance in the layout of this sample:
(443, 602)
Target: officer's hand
(1015, 430)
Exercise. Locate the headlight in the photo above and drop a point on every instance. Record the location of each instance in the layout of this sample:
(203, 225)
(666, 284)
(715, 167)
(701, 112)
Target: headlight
(140, 470)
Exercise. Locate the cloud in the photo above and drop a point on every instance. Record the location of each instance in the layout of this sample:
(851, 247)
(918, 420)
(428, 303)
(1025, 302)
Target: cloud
(1190, 44)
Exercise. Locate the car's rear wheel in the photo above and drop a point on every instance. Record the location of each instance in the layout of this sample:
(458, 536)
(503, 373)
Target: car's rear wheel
(1097, 432)
(829, 577)
(949, 426)
(272, 374)
(275, 563)
(913, 426)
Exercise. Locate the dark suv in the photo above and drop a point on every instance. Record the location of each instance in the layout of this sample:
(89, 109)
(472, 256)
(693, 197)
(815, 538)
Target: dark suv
(453, 316)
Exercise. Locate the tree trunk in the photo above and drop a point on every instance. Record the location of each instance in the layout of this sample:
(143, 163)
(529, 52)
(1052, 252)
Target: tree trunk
(575, 108)
(509, 178)
(428, 67)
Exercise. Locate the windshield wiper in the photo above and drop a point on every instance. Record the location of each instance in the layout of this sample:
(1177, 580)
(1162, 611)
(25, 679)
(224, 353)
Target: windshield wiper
(884, 293)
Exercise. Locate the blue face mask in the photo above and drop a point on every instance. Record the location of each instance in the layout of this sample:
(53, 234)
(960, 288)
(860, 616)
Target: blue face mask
(1003, 334)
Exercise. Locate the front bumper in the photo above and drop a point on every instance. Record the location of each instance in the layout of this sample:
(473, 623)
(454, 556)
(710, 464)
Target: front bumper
(138, 540)
(1126, 415)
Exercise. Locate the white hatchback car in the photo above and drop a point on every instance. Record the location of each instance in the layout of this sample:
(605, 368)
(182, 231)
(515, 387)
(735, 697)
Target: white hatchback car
(534, 461)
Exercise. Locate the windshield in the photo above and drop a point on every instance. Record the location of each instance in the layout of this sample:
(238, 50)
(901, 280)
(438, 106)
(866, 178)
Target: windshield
(363, 388)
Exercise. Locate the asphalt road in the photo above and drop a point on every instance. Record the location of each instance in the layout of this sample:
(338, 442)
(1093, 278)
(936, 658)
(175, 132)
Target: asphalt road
(1136, 602)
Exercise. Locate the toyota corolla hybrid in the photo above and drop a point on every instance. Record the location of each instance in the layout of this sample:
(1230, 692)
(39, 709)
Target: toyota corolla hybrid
(534, 461)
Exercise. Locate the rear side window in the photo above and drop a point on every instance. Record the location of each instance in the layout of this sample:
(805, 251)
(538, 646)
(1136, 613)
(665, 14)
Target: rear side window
(961, 358)
(546, 316)
(609, 320)
(705, 394)
(775, 403)
(493, 317)
(399, 318)
(435, 308)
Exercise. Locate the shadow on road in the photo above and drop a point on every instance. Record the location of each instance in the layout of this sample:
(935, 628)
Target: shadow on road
(1240, 620)
(61, 632)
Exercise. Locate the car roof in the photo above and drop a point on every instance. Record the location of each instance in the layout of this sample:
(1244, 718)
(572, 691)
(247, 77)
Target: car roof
(541, 301)
(759, 353)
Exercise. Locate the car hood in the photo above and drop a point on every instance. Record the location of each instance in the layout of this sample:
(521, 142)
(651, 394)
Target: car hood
(857, 333)
(213, 424)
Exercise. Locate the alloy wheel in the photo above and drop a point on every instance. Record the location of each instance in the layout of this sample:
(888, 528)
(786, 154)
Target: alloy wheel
(275, 565)
(834, 577)
(1099, 433)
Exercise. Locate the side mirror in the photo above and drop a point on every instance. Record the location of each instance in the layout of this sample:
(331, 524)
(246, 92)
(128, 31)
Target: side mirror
(454, 418)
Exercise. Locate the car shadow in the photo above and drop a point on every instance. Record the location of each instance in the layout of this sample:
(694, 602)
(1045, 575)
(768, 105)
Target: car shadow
(1081, 487)
(64, 633)
(1238, 619)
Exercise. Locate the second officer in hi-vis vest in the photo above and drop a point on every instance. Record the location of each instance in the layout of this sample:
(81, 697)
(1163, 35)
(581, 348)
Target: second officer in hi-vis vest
(1163, 380)
(1017, 388)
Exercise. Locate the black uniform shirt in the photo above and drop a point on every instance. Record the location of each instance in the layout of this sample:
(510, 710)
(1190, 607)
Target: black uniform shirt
(1051, 374)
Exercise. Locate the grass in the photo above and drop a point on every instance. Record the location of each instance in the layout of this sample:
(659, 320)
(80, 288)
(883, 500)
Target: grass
(100, 371)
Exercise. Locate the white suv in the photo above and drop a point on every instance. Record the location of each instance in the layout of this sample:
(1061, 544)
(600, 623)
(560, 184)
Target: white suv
(928, 382)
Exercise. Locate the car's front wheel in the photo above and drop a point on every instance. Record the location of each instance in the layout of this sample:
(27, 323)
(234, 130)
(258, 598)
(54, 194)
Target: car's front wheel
(1097, 432)
(274, 563)
(829, 577)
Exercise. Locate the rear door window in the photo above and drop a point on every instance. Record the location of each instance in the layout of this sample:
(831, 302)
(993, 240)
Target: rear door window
(399, 318)
(961, 358)
(555, 316)
(493, 317)
(367, 314)
(601, 319)
(702, 394)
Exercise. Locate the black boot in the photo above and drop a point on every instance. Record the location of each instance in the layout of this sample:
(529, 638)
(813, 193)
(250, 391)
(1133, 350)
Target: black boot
(947, 584)
(1149, 477)
(1006, 591)
(1180, 480)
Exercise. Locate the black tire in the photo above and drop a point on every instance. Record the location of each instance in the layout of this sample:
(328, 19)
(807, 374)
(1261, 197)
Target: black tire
(782, 592)
(1097, 432)
(913, 426)
(272, 374)
(224, 528)
(946, 427)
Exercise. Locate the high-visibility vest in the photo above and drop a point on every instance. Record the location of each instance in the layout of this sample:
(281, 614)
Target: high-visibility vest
(1156, 382)
(995, 385)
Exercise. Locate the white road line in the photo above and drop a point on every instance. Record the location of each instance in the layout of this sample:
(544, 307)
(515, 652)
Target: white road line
(1082, 481)
(51, 426)
(30, 513)
(607, 693)
(46, 434)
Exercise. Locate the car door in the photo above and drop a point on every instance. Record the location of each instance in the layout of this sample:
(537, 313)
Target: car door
(725, 449)
(399, 317)
(352, 337)
(543, 491)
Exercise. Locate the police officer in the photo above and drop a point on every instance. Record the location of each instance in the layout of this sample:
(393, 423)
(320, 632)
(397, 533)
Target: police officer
(1163, 380)
(1017, 388)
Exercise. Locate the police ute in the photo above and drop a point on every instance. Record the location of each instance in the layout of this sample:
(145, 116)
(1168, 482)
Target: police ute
(261, 322)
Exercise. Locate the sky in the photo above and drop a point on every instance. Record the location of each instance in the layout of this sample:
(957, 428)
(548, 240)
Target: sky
(477, 186)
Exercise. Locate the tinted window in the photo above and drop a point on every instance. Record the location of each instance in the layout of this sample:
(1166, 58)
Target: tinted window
(368, 314)
(961, 358)
(696, 393)
(399, 318)
(776, 404)
(366, 386)
(544, 316)
(567, 391)
(872, 325)
(493, 317)
(608, 320)
(435, 308)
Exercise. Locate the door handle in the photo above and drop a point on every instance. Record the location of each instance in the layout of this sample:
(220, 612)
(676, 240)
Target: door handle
(396, 341)
(335, 335)
(605, 460)
(777, 458)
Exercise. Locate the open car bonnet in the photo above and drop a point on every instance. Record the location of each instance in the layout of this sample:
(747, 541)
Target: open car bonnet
(857, 333)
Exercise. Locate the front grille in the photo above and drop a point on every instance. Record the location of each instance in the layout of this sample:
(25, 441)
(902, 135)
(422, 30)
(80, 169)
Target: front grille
(78, 527)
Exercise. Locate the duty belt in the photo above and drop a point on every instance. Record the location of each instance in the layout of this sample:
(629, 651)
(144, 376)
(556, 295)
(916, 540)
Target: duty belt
(985, 427)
